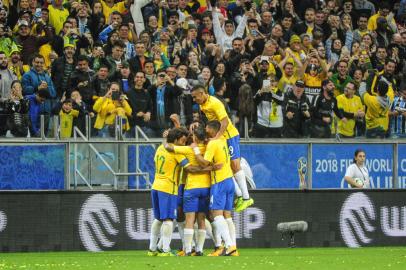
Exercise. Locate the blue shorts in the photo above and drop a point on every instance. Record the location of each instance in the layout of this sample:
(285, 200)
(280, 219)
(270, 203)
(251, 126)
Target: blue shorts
(234, 147)
(164, 205)
(181, 189)
(196, 200)
(222, 195)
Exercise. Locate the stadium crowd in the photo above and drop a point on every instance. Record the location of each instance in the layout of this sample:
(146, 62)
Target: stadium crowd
(286, 68)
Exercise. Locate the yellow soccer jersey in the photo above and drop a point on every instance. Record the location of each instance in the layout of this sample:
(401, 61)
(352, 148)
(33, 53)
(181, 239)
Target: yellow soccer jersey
(120, 7)
(66, 124)
(350, 105)
(376, 116)
(217, 152)
(57, 17)
(194, 180)
(167, 168)
(214, 110)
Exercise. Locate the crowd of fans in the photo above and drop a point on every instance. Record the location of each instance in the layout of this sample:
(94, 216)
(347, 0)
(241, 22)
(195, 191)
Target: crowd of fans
(283, 68)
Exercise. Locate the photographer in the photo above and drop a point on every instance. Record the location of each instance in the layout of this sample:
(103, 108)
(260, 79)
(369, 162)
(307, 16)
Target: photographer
(297, 112)
(14, 112)
(108, 107)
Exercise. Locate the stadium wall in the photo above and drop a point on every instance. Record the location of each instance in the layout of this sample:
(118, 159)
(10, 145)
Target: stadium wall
(68, 221)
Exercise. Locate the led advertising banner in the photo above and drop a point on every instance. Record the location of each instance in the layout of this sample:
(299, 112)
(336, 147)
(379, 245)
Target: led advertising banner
(59, 221)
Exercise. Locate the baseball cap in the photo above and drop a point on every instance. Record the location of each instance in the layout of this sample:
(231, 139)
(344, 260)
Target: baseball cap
(23, 23)
(300, 83)
(205, 31)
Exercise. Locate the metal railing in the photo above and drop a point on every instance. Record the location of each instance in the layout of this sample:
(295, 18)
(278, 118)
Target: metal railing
(119, 137)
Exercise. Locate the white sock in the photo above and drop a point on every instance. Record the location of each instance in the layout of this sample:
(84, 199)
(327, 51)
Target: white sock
(167, 229)
(160, 243)
(237, 189)
(209, 229)
(242, 183)
(181, 228)
(188, 234)
(153, 238)
(231, 229)
(222, 228)
(216, 235)
(201, 237)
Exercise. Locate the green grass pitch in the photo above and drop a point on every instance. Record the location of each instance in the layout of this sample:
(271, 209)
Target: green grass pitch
(250, 259)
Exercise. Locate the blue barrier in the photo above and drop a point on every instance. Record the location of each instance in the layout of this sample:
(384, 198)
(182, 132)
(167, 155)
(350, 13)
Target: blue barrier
(32, 167)
(402, 165)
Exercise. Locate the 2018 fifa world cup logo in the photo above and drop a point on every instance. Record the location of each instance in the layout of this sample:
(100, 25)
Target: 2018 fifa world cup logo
(302, 170)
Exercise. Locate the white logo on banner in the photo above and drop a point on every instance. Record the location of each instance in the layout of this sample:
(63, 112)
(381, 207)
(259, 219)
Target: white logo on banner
(95, 219)
(99, 209)
(356, 215)
(3, 221)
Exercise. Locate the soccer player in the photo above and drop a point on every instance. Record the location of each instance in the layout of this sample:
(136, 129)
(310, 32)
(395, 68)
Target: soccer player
(214, 110)
(222, 186)
(164, 192)
(196, 193)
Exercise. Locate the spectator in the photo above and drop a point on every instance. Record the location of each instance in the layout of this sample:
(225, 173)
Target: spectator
(82, 80)
(297, 112)
(352, 108)
(164, 102)
(378, 106)
(398, 114)
(141, 105)
(108, 107)
(322, 111)
(6, 76)
(16, 110)
(341, 78)
(67, 115)
(35, 103)
(269, 100)
(62, 68)
(38, 79)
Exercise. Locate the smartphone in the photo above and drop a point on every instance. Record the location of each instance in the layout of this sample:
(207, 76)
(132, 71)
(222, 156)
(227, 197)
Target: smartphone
(254, 33)
(266, 83)
(115, 95)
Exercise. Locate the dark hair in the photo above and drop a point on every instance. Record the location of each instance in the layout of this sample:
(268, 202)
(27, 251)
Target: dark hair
(175, 134)
(83, 58)
(218, 83)
(198, 87)
(1, 52)
(237, 38)
(390, 60)
(359, 150)
(200, 132)
(246, 105)
(214, 124)
(228, 22)
(252, 21)
(325, 82)
(43, 93)
(119, 43)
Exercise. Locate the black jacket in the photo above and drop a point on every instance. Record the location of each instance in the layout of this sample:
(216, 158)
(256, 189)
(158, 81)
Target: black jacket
(140, 101)
(297, 126)
(88, 91)
(57, 73)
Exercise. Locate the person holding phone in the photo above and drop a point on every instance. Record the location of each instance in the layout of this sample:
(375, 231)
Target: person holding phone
(113, 104)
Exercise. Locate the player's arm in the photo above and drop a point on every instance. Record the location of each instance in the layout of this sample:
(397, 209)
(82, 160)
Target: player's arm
(223, 128)
(203, 161)
(199, 169)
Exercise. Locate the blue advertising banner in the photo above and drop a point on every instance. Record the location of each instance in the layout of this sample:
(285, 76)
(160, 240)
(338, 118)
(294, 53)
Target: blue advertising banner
(275, 165)
(272, 165)
(32, 167)
(146, 161)
(330, 162)
(402, 165)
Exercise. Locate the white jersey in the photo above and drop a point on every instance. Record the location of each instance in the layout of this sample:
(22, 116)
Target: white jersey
(354, 171)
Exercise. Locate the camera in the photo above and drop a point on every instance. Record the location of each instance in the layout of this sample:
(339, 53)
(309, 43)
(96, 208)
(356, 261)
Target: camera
(115, 95)
(162, 75)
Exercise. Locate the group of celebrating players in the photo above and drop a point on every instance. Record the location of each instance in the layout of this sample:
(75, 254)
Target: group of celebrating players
(197, 175)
